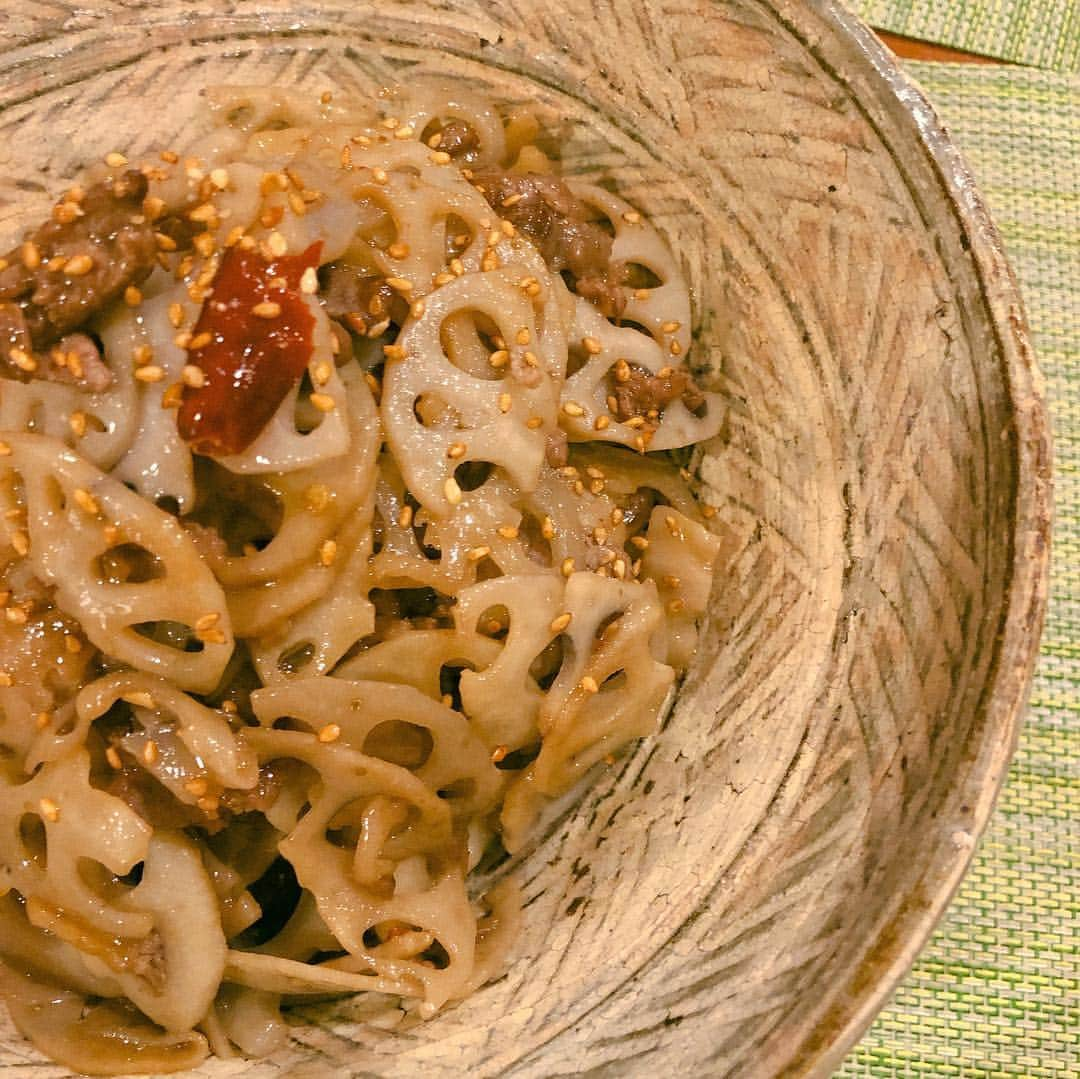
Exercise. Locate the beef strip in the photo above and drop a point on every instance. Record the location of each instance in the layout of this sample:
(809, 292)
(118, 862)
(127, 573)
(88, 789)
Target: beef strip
(459, 140)
(362, 302)
(642, 392)
(74, 360)
(111, 229)
(547, 211)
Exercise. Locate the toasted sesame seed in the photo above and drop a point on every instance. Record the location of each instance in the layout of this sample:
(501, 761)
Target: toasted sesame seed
(622, 371)
(322, 372)
(193, 376)
(567, 567)
(635, 422)
(266, 309)
(561, 622)
(676, 605)
(400, 284)
(49, 810)
(572, 408)
(21, 543)
(534, 422)
(530, 359)
(277, 244)
(457, 267)
(317, 497)
(547, 528)
(435, 140)
(499, 358)
(452, 491)
(200, 340)
(523, 337)
(16, 615)
(475, 554)
(111, 534)
(675, 348)
(669, 580)
(592, 346)
(202, 213)
(499, 754)
(323, 402)
(440, 157)
(113, 758)
(65, 212)
(79, 265)
(176, 315)
(394, 352)
(149, 752)
(405, 517)
(152, 372)
(86, 501)
(379, 175)
(602, 423)
(406, 131)
(208, 620)
(22, 359)
(229, 708)
(115, 160)
(632, 217)
(588, 684)
(506, 402)
(456, 450)
(77, 423)
(508, 532)
(31, 255)
(169, 156)
(417, 309)
(5, 450)
(708, 511)
(328, 552)
(330, 733)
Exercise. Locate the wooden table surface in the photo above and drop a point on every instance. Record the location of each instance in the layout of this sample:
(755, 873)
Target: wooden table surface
(910, 48)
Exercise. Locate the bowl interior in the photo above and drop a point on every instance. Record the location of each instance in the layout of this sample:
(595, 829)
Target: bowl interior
(736, 894)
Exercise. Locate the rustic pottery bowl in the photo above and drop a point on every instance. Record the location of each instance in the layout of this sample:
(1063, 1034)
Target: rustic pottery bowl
(740, 894)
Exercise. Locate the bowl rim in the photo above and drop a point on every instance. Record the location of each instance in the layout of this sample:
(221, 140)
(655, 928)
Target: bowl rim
(890, 956)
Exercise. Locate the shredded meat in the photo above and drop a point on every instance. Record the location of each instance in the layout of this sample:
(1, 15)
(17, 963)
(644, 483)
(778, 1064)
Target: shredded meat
(153, 802)
(459, 140)
(546, 211)
(364, 303)
(74, 360)
(643, 394)
(110, 229)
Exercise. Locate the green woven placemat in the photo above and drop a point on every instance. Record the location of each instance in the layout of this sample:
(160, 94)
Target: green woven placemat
(997, 991)
(1043, 33)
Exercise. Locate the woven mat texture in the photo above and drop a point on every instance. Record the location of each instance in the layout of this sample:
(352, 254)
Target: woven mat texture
(997, 992)
(1042, 33)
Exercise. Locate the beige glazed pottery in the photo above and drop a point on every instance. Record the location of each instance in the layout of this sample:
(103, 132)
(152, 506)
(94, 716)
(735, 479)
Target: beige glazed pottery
(739, 894)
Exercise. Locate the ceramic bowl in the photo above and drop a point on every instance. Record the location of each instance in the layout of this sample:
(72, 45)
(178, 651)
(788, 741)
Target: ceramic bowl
(740, 894)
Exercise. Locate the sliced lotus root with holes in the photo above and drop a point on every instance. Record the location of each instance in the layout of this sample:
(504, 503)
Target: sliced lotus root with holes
(74, 515)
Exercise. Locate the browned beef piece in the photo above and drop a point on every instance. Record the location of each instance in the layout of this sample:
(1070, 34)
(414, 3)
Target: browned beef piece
(74, 360)
(642, 392)
(110, 230)
(459, 140)
(362, 302)
(546, 210)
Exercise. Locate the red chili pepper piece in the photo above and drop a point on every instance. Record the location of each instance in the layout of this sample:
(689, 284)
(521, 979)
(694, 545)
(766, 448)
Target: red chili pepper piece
(260, 344)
